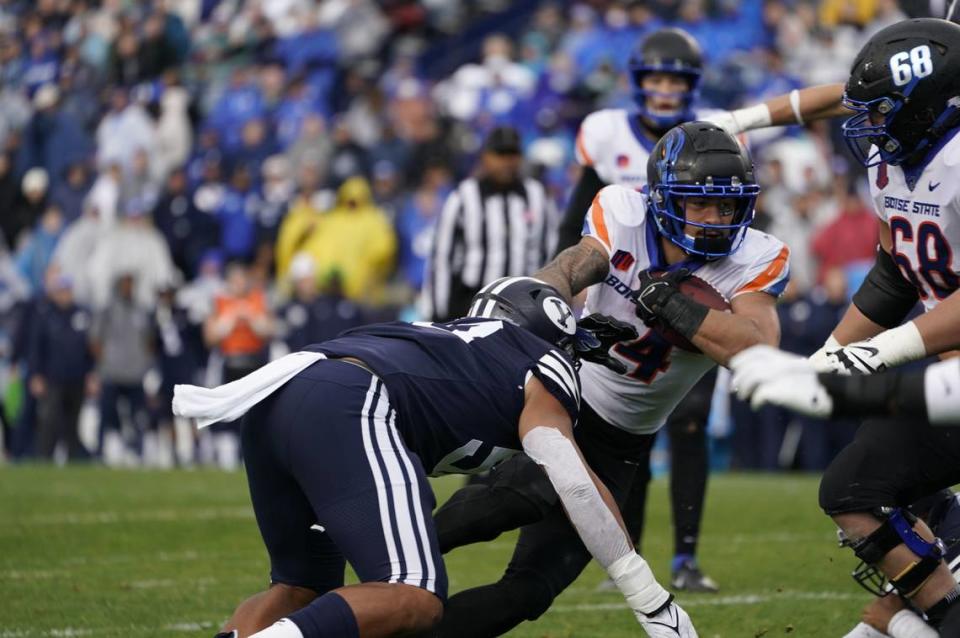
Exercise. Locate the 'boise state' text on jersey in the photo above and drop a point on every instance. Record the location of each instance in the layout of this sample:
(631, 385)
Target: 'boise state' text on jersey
(458, 387)
(924, 220)
(658, 375)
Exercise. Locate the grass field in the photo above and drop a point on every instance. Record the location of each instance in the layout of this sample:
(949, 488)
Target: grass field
(96, 552)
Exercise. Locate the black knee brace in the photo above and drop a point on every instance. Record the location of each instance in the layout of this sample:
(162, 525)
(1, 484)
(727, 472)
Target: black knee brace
(896, 529)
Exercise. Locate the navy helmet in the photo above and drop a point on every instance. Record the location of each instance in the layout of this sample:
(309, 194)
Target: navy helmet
(666, 51)
(700, 159)
(904, 88)
(531, 304)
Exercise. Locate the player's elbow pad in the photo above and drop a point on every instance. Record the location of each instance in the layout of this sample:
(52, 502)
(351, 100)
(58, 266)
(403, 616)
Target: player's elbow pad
(885, 297)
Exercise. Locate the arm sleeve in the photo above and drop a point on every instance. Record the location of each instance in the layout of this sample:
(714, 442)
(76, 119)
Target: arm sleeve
(769, 272)
(583, 194)
(596, 525)
(885, 297)
(932, 394)
(441, 267)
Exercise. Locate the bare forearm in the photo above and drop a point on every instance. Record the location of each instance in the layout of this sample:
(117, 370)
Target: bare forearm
(813, 103)
(722, 335)
(855, 327)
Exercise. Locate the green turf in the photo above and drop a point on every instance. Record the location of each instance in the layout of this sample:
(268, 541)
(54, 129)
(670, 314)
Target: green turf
(96, 552)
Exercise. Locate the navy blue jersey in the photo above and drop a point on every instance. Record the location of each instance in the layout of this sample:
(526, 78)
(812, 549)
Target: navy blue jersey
(944, 520)
(458, 387)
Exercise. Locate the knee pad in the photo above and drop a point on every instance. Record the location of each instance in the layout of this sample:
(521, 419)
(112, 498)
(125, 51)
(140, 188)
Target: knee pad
(896, 529)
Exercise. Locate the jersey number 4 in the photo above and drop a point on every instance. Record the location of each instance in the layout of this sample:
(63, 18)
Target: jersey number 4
(650, 353)
(933, 255)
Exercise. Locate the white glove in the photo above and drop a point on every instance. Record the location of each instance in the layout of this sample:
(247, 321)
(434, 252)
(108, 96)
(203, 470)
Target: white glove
(725, 120)
(859, 357)
(768, 376)
(672, 622)
(762, 363)
(821, 358)
(889, 348)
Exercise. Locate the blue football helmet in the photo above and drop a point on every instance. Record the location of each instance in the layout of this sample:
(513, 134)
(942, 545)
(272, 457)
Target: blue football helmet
(666, 51)
(700, 159)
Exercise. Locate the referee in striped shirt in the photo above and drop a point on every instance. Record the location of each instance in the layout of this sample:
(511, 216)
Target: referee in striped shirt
(495, 224)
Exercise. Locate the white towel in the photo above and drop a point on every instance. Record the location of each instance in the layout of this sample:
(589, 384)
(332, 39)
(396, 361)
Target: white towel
(232, 400)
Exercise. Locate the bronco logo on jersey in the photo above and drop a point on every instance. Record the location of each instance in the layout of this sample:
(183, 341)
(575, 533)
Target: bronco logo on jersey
(622, 260)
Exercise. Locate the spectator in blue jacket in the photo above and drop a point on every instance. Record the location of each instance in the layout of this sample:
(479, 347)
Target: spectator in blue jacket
(60, 368)
(52, 139)
(34, 255)
(70, 193)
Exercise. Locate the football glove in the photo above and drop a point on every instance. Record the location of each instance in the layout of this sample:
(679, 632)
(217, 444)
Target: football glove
(765, 375)
(596, 334)
(671, 622)
(859, 357)
(655, 291)
(660, 302)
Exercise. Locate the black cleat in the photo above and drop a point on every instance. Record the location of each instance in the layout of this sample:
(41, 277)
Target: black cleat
(690, 578)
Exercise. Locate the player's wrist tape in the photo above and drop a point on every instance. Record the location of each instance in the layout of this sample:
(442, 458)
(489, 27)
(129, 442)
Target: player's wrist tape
(906, 622)
(941, 392)
(795, 105)
(635, 580)
(899, 345)
(750, 118)
(683, 314)
(861, 395)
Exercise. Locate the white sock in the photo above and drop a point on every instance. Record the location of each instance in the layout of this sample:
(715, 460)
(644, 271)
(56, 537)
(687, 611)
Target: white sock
(283, 628)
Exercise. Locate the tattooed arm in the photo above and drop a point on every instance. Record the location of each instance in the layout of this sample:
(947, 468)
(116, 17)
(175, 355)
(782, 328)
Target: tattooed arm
(576, 268)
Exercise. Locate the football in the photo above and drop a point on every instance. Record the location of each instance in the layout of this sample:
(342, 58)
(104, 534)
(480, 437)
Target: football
(701, 292)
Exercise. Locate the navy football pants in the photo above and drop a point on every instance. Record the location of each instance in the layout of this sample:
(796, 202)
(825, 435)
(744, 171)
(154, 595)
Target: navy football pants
(332, 481)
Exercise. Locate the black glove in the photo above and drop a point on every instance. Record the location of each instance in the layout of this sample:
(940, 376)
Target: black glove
(661, 303)
(596, 334)
(655, 291)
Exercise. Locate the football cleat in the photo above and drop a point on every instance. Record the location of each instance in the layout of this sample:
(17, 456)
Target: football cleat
(671, 622)
(689, 578)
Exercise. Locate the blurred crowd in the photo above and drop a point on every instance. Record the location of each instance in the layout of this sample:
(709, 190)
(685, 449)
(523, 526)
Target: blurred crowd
(191, 187)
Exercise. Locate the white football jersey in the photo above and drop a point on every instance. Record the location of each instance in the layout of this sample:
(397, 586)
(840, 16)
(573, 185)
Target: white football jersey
(658, 374)
(924, 222)
(612, 142)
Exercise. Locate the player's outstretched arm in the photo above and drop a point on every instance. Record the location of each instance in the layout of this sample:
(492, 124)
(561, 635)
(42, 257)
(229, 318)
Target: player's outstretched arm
(799, 106)
(767, 376)
(576, 268)
(547, 435)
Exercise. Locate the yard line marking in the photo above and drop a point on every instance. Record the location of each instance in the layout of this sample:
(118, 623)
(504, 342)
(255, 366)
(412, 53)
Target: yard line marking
(722, 601)
(145, 516)
(75, 632)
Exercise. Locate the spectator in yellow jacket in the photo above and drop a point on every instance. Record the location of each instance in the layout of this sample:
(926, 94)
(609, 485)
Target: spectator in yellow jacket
(356, 240)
